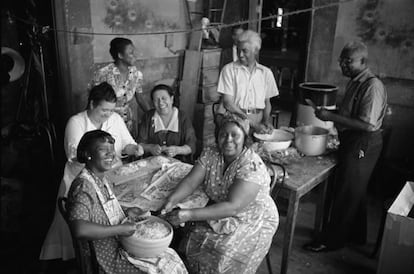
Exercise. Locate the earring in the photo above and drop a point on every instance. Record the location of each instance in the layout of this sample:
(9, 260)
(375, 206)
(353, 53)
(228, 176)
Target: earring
(89, 158)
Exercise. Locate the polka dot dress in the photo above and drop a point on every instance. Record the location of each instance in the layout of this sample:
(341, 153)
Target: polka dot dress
(83, 204)
(235, 244)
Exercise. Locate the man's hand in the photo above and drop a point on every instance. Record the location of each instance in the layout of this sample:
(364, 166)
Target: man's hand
(263, 128)
(323, 114)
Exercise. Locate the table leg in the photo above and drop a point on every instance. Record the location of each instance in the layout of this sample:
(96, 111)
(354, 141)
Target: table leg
(320, 208)
(289, 230)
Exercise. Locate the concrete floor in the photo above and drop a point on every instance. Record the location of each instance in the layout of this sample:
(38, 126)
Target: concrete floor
(351, 259)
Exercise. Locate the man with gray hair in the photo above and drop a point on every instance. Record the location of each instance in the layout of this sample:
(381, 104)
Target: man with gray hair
(247, 86)
(358, 120)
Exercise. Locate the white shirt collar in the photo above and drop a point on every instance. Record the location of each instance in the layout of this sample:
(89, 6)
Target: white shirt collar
(159, 125)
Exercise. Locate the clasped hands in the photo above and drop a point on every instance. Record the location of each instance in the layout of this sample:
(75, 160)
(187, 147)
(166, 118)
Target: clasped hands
(170, 151)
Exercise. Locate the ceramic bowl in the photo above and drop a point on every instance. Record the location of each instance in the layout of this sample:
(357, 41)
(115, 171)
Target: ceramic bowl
(277, 140)
(143, 247)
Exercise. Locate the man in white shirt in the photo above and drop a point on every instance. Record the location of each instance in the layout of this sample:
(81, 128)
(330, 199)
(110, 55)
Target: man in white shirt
(247, 86)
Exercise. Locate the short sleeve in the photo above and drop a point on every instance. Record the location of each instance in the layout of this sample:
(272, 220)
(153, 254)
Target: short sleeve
(252, 169)
(80, 200)
(271, 87)
(226, 80)
(373, 103)
(208, 155)
(98, 77)
(73, 133)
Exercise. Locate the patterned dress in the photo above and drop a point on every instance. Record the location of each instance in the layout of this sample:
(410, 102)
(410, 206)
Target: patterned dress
(235, 244)
(83, 204)
(124, 91)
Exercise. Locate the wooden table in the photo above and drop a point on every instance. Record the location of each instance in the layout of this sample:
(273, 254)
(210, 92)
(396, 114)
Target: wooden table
(304, 175)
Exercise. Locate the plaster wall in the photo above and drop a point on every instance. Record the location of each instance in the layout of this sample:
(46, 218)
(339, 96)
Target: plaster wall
(321, 57)
(77, 61)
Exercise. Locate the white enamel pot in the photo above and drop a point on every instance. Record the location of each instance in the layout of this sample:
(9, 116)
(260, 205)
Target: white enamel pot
(311, 140)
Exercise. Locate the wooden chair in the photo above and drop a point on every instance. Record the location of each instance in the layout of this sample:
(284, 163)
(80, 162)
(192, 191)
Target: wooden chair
(271, 166)
(86, 259)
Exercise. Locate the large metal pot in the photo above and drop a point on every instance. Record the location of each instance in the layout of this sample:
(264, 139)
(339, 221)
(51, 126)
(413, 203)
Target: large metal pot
(311, 140)
(321, 94)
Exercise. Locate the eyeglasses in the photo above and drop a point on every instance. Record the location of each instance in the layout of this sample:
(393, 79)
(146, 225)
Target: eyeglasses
(347, 61)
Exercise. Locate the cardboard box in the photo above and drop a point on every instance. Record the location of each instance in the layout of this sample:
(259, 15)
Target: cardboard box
(397, 249)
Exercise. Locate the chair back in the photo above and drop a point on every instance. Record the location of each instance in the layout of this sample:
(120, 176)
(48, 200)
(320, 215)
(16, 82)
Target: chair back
(84, 250)
(271, 166)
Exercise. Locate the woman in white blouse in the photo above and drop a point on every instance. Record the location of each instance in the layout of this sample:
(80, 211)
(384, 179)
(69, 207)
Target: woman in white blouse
(98, 115)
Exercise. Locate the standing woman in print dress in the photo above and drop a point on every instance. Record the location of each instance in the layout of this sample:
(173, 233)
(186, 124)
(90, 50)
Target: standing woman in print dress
(125, 79)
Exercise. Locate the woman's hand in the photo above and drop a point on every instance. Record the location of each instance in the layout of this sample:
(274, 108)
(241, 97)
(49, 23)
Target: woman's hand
(126, 229)
(171, 151)
(168, 206)
(155, 149)
(134, 212)
(139, 151)
(178, 216)
(133, 150)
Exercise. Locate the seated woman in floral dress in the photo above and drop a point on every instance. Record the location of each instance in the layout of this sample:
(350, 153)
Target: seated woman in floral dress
(95, 213)
(234, 232)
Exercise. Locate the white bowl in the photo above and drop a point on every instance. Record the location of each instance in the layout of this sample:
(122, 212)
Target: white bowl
(145, 247)
(277, 140)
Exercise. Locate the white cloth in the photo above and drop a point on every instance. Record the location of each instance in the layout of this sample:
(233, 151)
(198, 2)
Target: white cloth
(172, 125)
(58, 241)
(248, 89)
(167, 263)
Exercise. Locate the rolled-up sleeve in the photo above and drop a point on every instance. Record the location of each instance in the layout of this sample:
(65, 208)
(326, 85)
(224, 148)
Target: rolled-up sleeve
(226, 81)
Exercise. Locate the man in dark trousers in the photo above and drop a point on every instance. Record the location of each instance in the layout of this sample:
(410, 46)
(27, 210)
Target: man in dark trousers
(358, 120)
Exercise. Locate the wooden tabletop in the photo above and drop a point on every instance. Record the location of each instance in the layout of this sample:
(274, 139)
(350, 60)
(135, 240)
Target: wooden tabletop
(308, 171)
